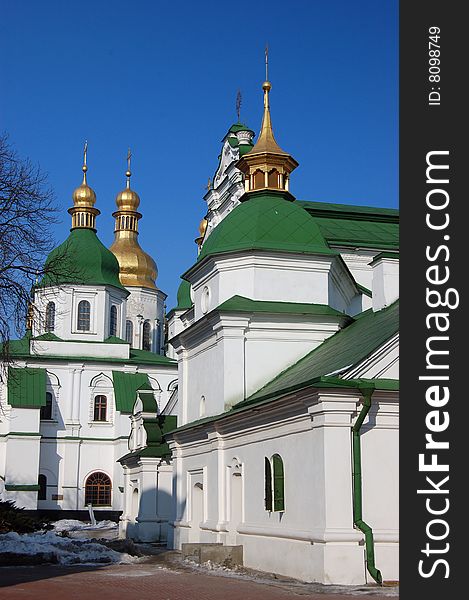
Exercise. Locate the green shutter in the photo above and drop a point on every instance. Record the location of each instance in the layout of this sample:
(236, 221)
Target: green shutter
(26, 387)
(279, 501)
(268, 485)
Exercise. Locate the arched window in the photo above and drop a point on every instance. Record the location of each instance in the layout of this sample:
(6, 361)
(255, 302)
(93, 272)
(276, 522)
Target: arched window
(98, 490)
(113, 320)
(278, 487)
(100, 408)
(273, 179)
(274, 483)
(84, 314)
(146, 336)
(50, 316)
(42, 483)
(129, 332)
(46, 411)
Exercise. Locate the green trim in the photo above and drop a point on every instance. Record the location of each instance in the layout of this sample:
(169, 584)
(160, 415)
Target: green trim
(12, 487)
(392, 255)
(88, 439)
(364, 290)
(22, 434)
(357, 487)
(26, 387)
(243, 304)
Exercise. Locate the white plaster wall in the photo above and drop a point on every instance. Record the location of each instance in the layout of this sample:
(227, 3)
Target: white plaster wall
(150, 305)
(314, 538)
(72, 444)
(66, 299)
(385, 282)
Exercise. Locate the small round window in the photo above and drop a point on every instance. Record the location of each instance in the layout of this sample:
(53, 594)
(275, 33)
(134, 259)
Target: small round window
(205, 300)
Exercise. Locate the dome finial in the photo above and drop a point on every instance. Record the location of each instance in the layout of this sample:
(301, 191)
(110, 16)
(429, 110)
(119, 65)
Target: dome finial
(83, 212)
(128, 173)
(266, 165)
(84, 167)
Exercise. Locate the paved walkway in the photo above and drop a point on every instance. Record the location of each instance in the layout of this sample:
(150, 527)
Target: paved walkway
(160, 580)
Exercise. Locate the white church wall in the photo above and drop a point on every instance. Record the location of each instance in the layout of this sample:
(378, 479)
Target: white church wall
(313, 538)
(66, 299)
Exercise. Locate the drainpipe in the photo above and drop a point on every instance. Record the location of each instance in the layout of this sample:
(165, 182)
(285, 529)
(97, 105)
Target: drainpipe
(357, 488)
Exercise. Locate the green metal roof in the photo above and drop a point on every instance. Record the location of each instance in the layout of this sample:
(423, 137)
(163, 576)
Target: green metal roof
(345, 348)
(125, 389)
(156, 446)
(26, 387)
(348, 225)
(242, 304)
(21, 349)
(82, 259)
(184, 296)
(317, 382)
(267, 220)
(239, 127)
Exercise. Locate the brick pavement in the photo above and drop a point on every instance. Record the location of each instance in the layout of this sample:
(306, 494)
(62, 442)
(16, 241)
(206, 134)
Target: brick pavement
(152, 581)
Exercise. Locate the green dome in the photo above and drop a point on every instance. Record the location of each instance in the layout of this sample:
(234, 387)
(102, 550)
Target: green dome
(267, 220)
(82, 259)
(184, 295)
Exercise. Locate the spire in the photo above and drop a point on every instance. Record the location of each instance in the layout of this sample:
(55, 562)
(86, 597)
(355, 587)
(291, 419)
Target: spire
(136, 267)
(266, 165)
(83, 212)
(128, 173)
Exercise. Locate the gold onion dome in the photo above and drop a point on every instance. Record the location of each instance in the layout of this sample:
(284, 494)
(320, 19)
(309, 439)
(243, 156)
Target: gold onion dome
(83, 195)
(203, 227)
(136, 267)
(266, 165)
(83, 212)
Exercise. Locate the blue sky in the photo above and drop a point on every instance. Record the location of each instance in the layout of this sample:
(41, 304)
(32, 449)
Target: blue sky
(162, 78)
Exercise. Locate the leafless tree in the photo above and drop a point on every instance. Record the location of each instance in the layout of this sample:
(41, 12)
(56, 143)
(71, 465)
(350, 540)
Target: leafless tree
(27, 215)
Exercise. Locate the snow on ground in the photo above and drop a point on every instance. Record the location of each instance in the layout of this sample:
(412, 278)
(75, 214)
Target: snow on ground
(61, 550)
(75, 525)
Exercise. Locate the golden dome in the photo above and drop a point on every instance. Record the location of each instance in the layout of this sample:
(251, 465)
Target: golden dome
(84, 196)
(127, 199)
(136, 267)
(203, 227)
(83, 211)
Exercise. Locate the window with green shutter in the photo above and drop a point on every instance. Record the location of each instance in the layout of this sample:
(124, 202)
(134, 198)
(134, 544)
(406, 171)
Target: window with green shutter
(268, 485)
(279, 499)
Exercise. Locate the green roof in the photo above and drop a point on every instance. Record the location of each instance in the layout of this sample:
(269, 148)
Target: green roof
(392, 255)
(317, 382)
(242, 304)
(26, 387)
(82, 259)
(348, 225)
(345, 348)
(267, 220)
(156, 446)
(125, 389)
(21, 349)
(239, 127)
(184, 296)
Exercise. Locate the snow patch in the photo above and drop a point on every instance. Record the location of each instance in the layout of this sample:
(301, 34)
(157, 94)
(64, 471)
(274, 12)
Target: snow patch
(75, 525)
(61, 550)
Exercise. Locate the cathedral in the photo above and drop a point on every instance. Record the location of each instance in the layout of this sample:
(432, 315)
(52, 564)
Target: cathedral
(261, 411)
